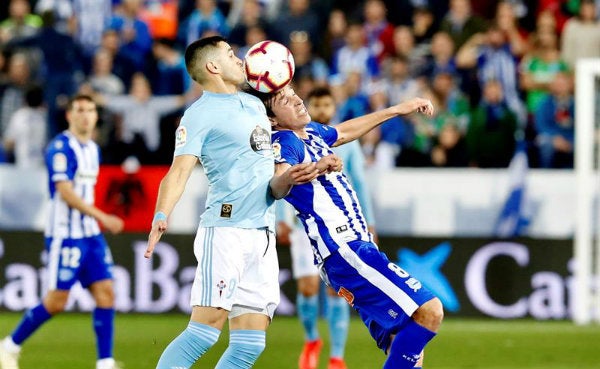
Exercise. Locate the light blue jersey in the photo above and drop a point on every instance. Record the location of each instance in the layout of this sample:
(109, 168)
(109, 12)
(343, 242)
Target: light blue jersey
(231, 135)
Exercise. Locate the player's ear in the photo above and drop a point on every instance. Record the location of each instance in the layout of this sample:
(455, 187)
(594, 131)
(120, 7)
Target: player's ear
(212, 67)
(273, 122)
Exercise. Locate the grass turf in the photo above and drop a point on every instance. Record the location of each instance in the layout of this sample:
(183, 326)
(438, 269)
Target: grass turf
(67, 342)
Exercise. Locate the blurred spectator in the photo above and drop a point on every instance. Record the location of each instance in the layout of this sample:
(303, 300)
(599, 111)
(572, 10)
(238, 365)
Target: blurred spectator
(404, 46)
(250, 16)
(62, 66)
(170, 76)
(492, 55)
(123, 65)
(161, 18)
(20, 21)
(441, 57)
(12, 91)
(449, 148)
(26, 134)
(491, 132)
(555, 123)
(581, 35)
(460, 23)
(254, 35)
(508, 23)
(546, 22)
(133, 33)
(423, 25)
(62, 11)
(539, 67)
(139, 133)
(91, 19)
(355, 57)
(206, 17)
(399, 84)
(307, 65)
(102, 79)
(355, 103)
(299, 17)
(378, 30)
(335, 35)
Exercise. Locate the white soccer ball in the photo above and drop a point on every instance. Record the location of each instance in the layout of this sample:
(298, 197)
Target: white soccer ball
(269, 66)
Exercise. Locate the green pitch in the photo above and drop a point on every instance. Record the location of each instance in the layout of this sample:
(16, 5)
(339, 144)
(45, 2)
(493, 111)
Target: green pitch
(67, 342)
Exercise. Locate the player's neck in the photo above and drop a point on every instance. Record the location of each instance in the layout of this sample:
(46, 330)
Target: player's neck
(218, 86)
(81, 137)
(301, 132)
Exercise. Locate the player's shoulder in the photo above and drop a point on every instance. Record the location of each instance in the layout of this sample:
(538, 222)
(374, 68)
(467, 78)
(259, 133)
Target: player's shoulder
(285, 136)
(60, 143)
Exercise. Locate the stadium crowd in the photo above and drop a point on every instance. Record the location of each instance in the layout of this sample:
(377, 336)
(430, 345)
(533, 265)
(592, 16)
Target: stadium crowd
(498, 72)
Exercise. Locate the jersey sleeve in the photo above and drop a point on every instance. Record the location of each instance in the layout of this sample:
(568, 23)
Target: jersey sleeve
(190, 136)
(327, 133)
(61, 162)
(287, 148)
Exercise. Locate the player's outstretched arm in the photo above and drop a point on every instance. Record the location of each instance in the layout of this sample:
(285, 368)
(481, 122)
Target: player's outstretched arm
(170, 190)
(352, 129)
(286, 176)
(112, 223)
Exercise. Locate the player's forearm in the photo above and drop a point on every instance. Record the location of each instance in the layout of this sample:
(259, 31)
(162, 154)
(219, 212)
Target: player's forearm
(170, 191)
(75, 202)
(352, 129)
(280, 187)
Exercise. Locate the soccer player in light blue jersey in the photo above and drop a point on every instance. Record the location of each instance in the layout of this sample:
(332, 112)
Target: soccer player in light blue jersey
(228, 132)
(321, 107)
(400, 313)
(76, 249)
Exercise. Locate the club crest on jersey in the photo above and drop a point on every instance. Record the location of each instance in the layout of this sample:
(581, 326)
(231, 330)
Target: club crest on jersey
(221, 286)
(260, 140)
(180, 137)
(59, 162)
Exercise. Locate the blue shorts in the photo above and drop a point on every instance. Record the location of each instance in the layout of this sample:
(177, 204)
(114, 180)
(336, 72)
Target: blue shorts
(86, 260)
(384, 295)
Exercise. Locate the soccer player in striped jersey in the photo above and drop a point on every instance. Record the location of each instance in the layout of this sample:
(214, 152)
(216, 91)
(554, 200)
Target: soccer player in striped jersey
(400, 313)
(77, 250)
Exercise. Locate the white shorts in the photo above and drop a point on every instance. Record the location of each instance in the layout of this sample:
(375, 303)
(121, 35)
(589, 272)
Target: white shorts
(303, 260)
(237, 270)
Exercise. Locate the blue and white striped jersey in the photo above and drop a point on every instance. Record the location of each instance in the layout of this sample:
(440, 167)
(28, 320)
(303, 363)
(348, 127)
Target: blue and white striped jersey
(67, 159)
(327, 206)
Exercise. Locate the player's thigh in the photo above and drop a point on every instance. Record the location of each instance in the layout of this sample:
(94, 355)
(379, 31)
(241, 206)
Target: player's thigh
(380, 290)
(64, 263)
(302, 255)
(97, 263)
(258, 289)
(214, 317)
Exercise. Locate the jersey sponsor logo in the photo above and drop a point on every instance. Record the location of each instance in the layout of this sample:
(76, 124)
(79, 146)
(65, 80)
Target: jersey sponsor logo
(180, 137)
(226, 210)
(341, 229)
(347, 295)
(260, 141)
(59, 162)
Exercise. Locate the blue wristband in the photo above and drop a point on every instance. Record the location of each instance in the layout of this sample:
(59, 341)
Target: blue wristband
(159, 216)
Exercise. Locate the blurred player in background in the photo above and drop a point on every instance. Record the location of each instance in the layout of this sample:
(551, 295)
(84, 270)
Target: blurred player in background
(401, 314)
(77, 251)
(321, 108)
(237, 276)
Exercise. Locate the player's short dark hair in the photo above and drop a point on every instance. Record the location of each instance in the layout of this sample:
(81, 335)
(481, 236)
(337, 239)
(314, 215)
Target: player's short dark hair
(196, 52)
(79, 97)
(318, 92)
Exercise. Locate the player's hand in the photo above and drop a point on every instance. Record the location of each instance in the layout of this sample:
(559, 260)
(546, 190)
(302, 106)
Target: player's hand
(416, 104)
(158, 228)
(301, 173)
(330, 163)
(113, 223)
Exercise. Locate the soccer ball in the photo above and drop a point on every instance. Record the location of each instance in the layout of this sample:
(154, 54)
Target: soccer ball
(269, 66)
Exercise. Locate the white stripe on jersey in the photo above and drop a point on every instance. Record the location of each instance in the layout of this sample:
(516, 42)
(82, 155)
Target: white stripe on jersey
(53, 258)
(404, 301)
(66, 222)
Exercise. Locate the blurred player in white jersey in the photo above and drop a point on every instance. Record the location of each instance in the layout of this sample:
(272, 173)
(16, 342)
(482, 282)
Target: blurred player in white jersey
(321, 108)
(76, 248)
(400, 313)
(237, 275)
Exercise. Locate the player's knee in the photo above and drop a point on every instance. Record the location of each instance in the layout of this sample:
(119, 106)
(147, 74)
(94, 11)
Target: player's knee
(308, 286)
(54, 306)
(105, 298)
(430, 314)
